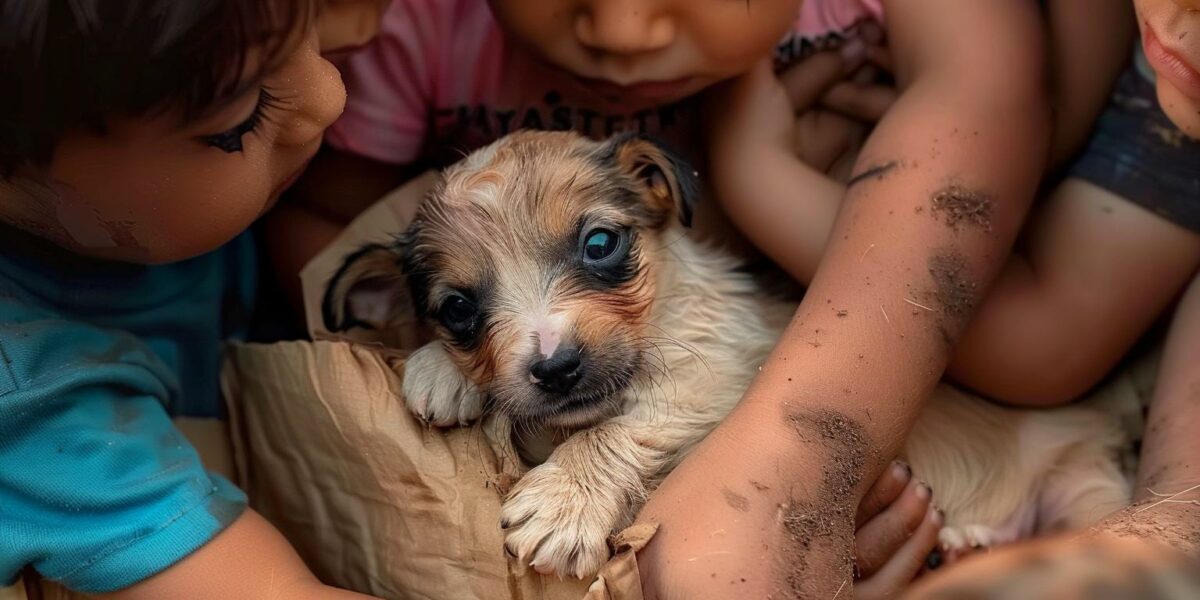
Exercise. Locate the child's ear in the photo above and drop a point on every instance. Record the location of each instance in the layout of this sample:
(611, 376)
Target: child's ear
(672, 186)
(369, 290)
(348, 24)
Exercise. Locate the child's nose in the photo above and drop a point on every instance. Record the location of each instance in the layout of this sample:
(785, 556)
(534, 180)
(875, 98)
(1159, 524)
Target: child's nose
(623, 27)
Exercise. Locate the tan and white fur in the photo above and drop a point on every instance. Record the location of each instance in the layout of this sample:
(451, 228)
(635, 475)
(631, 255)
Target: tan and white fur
(611, 373)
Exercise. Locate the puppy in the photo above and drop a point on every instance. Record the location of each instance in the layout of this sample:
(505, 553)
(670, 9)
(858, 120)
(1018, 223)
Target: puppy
(567, 299)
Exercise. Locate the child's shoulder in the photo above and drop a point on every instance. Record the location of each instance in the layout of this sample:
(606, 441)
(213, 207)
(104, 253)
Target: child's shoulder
(94, 358)
(65, 315)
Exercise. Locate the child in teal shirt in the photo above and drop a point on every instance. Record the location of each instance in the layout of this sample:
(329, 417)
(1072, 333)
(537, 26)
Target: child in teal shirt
(138, 140)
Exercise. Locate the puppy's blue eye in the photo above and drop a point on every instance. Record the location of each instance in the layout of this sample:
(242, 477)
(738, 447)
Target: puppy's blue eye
(599, 245)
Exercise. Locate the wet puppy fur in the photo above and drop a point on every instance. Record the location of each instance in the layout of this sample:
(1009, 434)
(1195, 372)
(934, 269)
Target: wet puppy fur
(569, 302)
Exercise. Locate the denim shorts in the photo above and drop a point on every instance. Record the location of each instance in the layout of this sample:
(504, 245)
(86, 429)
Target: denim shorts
(1137, 153)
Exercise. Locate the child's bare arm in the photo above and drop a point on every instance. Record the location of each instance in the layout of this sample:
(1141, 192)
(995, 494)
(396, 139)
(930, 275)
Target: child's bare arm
(1044, 309)
(1093, 273)
(250, 559)
(756, 173)
(1169, 450)
(851, 373)
(1090, 41)
(1167, 494)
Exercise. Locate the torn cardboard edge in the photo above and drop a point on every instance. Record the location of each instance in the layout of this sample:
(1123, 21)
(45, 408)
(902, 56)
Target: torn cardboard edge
(372, 499)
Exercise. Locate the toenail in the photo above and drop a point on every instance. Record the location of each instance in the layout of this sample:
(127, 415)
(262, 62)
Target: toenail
(934, 560)
(901, 470)
(924, 491)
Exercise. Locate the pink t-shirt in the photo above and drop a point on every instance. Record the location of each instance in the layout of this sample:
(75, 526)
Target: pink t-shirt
(442, 79)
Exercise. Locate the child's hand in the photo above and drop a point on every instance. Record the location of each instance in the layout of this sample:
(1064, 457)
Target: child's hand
(760, 154)
(897, 527)
(757, 111)
(816, 109)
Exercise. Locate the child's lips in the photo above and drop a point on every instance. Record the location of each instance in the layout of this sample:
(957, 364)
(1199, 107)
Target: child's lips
(1170, 65)
(643, 90)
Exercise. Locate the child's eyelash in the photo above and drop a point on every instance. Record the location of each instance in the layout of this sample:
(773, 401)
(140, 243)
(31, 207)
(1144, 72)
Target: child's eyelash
(231, 141)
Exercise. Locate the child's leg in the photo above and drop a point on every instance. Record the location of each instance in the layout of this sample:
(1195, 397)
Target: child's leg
(1170, 459)
(1094, 272)
(1168, 488)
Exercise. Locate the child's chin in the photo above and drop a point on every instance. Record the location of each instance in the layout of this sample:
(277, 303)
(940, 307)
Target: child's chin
(1182, 110)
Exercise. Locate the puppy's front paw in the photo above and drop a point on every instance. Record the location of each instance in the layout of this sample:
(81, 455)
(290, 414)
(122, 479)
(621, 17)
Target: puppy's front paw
(437, 392)
(556, 525)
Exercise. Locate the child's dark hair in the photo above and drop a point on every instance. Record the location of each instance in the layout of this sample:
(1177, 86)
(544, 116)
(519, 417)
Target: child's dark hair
(70, 64)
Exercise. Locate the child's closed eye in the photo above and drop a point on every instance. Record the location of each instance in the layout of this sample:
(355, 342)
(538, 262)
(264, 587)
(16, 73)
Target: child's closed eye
(230, 141)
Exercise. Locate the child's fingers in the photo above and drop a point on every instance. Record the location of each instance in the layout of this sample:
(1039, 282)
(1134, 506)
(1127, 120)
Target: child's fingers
(885, 490)
(881, 57)
(876, 542)
(864, 102)
(872, 33)
(808, 80)
(905, 564)
(824, 137)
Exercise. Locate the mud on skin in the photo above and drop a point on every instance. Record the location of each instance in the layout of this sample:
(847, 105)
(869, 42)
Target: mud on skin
(954, 288)
(960, 207)
(820, 524)
(735, 500)
(877, 172)
(1175, 523)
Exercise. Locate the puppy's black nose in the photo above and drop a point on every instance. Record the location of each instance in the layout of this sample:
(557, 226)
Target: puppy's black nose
(559, 373)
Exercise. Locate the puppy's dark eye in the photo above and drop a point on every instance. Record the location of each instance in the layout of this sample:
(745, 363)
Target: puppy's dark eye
(600, 244)
(458, 313)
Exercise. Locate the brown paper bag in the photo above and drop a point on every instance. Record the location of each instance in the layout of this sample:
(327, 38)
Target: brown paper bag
(373, 500)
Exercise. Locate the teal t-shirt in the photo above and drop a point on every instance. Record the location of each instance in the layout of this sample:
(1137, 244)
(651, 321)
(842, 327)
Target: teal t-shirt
(98, 490)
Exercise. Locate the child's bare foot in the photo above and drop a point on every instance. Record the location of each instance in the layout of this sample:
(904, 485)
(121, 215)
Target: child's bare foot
(898, 528)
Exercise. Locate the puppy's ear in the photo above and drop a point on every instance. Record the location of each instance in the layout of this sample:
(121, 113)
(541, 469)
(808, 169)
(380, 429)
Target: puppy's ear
(671, 185)
(369, 290)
